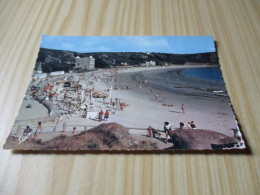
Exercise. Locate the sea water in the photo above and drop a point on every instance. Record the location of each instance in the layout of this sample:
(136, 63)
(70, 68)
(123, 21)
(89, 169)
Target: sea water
(196, 81)
(207, 74)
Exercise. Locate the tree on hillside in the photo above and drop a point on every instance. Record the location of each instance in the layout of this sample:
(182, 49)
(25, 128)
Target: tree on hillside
(99, 63)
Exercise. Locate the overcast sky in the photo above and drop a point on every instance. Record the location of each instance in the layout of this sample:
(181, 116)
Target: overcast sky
(162, 44)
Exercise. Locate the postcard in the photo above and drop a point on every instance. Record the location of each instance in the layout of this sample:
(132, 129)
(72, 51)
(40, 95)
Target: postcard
(126, 93)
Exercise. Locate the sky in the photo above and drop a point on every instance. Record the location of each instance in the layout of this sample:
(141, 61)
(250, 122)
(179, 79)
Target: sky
(162, 44)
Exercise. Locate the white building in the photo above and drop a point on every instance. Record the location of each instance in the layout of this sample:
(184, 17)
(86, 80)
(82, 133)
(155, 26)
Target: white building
(57, 73)
(85, 63)
(123, 63)
(151, 63)
(37, 76)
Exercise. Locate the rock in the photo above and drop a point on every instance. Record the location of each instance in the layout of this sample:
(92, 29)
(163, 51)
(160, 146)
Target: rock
(199, 139)
(107, 136)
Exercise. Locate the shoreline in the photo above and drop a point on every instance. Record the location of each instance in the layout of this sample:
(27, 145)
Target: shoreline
(183, 85)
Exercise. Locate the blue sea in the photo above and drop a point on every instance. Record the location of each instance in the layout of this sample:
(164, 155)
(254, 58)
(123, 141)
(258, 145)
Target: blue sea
(207, 74)
(196, 81)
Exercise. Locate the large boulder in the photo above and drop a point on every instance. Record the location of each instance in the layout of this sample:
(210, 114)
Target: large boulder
(113, 134)
(107, 136)
(199, 139)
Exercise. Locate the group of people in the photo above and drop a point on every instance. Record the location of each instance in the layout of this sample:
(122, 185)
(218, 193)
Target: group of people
(29, 131)
(35, 133)
(167, 129)
(164, 100)
(101, 114)
(156, 133)
(191, 125)
(117, 101)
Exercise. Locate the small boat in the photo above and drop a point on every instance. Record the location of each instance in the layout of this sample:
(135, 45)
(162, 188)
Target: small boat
(181, 86)
(219, 94)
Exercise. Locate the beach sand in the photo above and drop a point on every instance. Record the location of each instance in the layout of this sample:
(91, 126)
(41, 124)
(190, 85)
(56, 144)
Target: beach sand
(144, 110)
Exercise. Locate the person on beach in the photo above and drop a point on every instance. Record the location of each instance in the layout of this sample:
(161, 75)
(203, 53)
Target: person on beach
(121, 106)
(164, 99)
(74, 131)
(189, 125)
(38, 130)
(106, 115)
(153, 132)
(192, 124)
(100, 115)
(151, 90)
(156, 96)
(27, 130)
(149, 131)
(167, 129)
(181, 125)
(182, 108)
(85, 112)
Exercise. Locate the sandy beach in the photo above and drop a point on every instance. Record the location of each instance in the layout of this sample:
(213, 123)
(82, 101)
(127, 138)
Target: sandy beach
(146, 104)
(208, 113)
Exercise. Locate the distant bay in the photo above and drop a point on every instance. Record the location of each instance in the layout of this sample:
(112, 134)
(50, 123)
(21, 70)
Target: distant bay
(194, 81)
(205, 73)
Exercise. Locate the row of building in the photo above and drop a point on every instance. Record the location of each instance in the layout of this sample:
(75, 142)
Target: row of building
(148, 63)
(86, 63)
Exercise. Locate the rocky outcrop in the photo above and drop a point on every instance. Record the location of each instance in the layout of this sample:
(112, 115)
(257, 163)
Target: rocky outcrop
(107, 136)
(198, 139)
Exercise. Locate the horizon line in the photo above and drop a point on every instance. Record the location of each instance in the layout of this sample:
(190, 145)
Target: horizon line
(127, 51)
